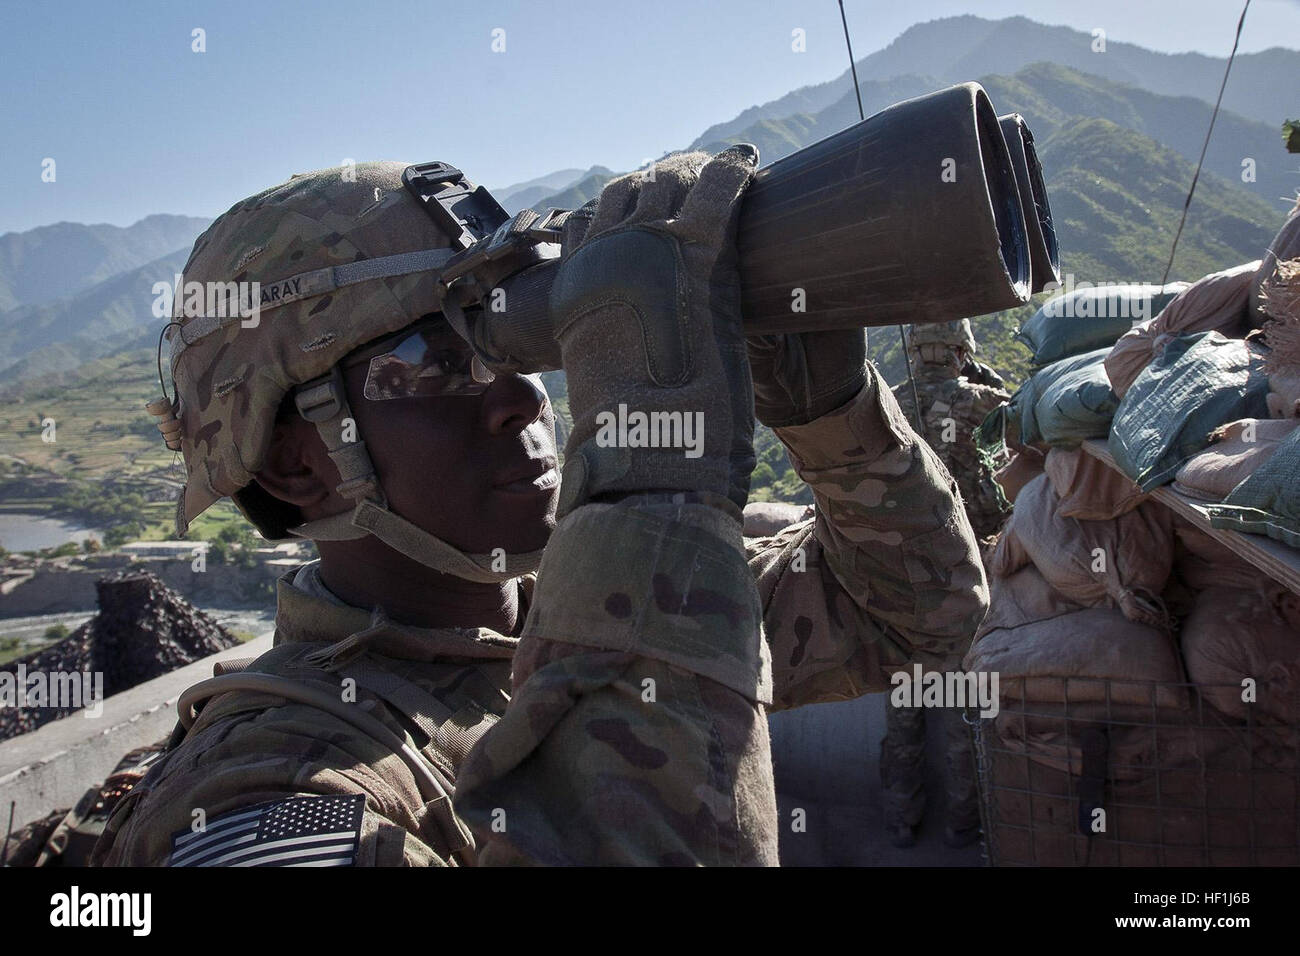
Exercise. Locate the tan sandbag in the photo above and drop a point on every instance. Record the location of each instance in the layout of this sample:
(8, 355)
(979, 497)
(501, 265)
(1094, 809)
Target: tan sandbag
(1091, 656)
(1284, 394)
(1216, 302)
(1089, 488)
(766, 518)
(1239, 448)
(1235, 634)
(1132, 554)
(1019, 471)
(1023, 598)
(1201, 561)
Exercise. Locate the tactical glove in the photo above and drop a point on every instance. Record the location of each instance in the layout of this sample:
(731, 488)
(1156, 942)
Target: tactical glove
(646, 309)
(981, 374)
(799, 377)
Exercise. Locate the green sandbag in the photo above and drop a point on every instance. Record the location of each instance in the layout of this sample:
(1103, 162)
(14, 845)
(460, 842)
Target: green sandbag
(1092, 317)
(1267, 502)
(1077, 405)
(1201, 381)
(1020, 415)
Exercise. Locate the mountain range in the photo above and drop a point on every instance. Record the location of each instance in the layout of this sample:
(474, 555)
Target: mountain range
(955, 49)
(1118, 133)
(58, 261)
(522, 195)
(49, 338)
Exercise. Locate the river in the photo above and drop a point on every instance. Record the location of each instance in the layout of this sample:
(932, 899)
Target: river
(25, 532)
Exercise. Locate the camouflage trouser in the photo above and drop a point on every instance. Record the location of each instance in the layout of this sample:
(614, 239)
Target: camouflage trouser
(902, 766)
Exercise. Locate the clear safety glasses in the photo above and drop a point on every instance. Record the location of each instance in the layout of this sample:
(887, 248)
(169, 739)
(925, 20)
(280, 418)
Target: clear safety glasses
(423, 361)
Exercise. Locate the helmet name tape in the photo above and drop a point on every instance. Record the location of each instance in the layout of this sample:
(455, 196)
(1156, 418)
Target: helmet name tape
(318, 282)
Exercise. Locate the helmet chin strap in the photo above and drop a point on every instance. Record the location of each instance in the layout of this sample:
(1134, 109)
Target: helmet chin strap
(324, 403)
(417, 544)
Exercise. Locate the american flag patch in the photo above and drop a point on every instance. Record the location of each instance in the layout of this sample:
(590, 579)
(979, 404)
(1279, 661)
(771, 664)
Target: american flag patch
(297, 831)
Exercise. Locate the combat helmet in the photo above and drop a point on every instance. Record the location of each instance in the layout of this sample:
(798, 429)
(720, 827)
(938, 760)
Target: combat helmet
(340, 257)
(956, 334)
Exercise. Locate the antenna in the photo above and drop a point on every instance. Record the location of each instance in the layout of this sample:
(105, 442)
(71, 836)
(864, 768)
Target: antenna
(902, 336)
(4, 849)
(1201, 162)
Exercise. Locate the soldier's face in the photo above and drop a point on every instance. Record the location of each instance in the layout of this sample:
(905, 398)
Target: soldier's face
(478, 471)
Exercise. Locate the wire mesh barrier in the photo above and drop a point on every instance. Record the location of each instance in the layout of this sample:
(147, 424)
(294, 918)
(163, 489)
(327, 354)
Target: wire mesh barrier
(1139, 773)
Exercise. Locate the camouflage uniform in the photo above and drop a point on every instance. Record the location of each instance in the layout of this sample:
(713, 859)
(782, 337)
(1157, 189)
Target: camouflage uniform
(953, 407)
(627, 722)
(613, 730)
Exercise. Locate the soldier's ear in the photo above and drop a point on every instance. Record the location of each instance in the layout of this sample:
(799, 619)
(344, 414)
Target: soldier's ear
(297, 469)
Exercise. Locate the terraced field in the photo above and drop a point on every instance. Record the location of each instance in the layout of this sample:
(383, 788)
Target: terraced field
(102, 434)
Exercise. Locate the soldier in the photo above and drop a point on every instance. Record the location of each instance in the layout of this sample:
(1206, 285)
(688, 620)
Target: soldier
(957, 393)
(954, 406)
(609, 708)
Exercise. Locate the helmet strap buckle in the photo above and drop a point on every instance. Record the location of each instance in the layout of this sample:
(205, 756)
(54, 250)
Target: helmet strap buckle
(321, 399)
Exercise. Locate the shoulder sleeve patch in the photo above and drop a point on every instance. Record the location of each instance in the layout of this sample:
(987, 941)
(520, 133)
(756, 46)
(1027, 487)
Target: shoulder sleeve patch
(296, 831)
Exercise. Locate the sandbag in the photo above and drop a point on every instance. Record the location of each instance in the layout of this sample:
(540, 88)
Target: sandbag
(1023, 597)
(1201, 561)
(1200, 382)
(1212, 474)
(1085, 319)
(1089, 488)
(765, 518)
(1217, 302)
(1024, 467)
(1076, 406)
(1234, 634)
(1132, 554)
(1017, 419)
(1267, 502)
(1091, 656)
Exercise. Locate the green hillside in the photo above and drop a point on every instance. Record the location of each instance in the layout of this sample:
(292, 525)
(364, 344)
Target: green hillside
(106, 452)
(1051, 97)
(1117, 196)
(58, 336)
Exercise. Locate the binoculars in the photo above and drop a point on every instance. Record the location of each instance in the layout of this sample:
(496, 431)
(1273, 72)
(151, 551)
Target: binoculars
(931, 210)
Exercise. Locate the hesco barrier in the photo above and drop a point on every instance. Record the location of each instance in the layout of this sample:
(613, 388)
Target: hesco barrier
(1147, 774)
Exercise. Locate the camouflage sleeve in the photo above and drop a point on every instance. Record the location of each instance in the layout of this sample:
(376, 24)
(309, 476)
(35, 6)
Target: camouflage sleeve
(886, 574)
(985, 398)
(636, 733)
(250, 754)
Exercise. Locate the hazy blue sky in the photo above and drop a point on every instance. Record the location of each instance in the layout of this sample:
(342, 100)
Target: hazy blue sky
(138, 123)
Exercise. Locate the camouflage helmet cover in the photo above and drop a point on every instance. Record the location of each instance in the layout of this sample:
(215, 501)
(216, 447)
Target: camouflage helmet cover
(231, 381)
(955, 334)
